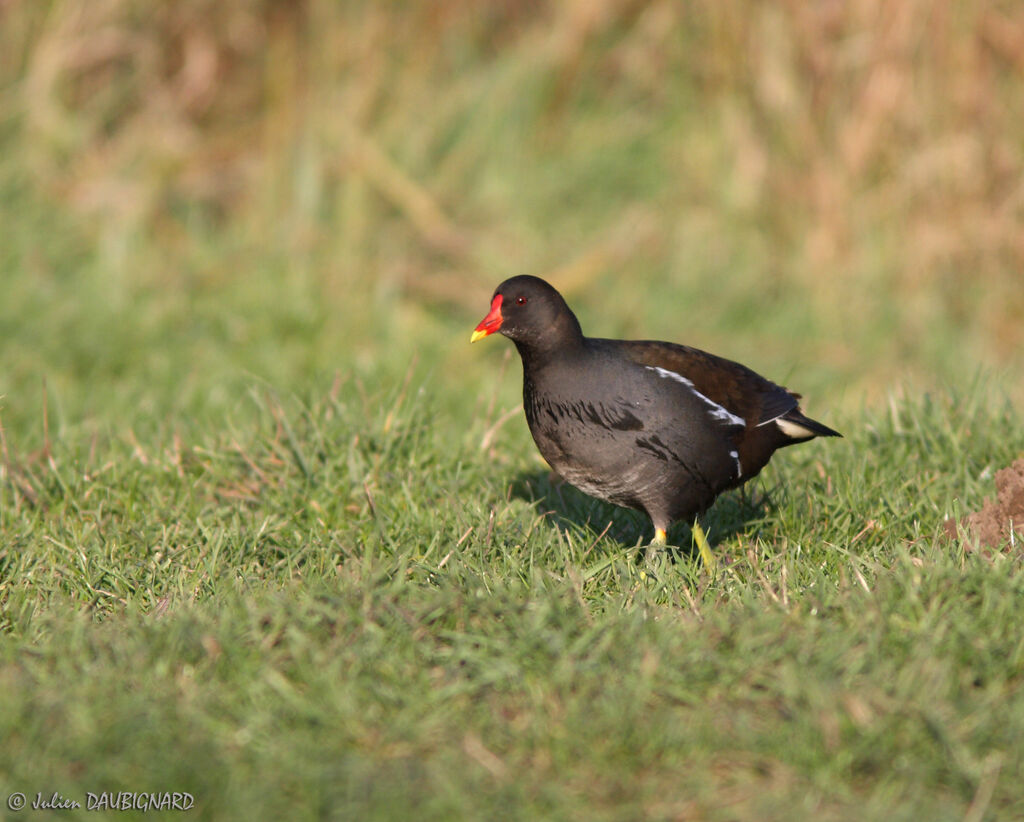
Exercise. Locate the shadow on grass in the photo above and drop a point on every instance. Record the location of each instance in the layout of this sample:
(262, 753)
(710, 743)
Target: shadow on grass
(731, 514)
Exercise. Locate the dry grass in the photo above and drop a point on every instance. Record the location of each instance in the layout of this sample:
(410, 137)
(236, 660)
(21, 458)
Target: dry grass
(850, 172)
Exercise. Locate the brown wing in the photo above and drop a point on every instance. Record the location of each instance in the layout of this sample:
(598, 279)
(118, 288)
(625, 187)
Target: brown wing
(735, 387)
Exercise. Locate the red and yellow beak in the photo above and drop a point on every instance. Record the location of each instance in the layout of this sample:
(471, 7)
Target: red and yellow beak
(490, 323)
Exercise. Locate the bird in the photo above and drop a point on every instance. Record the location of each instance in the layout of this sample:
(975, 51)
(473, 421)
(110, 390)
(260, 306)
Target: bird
(660, 427)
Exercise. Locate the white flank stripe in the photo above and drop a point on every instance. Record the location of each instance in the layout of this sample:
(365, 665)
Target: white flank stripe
(716, 410)
(739, 468)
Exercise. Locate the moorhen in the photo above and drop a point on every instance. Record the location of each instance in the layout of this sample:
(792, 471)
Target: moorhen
(656, 426)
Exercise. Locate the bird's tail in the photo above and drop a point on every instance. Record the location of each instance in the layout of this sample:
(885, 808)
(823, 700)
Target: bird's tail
(799, 427)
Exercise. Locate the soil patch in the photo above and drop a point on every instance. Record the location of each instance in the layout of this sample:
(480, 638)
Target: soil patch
(991, 526)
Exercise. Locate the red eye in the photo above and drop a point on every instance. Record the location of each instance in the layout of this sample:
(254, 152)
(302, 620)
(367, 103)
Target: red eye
(520, 300)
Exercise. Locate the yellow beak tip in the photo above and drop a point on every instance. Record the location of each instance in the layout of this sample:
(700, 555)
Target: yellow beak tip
(477, 335)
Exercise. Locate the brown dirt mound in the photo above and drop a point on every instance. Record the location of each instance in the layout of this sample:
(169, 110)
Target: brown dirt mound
(991, 526)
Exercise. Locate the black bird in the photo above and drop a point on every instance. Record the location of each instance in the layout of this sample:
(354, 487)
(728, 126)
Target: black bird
(656, 426)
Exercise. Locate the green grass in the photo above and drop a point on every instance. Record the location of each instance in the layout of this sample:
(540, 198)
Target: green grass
(343, 607)
(274, 534)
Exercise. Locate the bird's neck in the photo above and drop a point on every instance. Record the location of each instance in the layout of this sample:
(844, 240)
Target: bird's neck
(562, 340)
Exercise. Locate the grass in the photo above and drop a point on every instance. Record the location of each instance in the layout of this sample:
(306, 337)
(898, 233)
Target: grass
(340, 608)
(274, 534)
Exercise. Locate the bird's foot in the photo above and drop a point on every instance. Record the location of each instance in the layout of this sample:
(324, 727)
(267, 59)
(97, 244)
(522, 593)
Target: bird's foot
(700, 539)
(657, 544)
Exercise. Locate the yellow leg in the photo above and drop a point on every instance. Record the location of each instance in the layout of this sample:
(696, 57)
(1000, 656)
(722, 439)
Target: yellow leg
(661, 539)
(703, 547)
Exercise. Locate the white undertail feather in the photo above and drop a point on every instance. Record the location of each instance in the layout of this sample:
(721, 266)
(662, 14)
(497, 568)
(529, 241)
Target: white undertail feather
(794, 430)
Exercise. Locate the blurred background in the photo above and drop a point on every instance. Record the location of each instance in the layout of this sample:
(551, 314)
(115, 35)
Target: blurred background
(200, 194)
